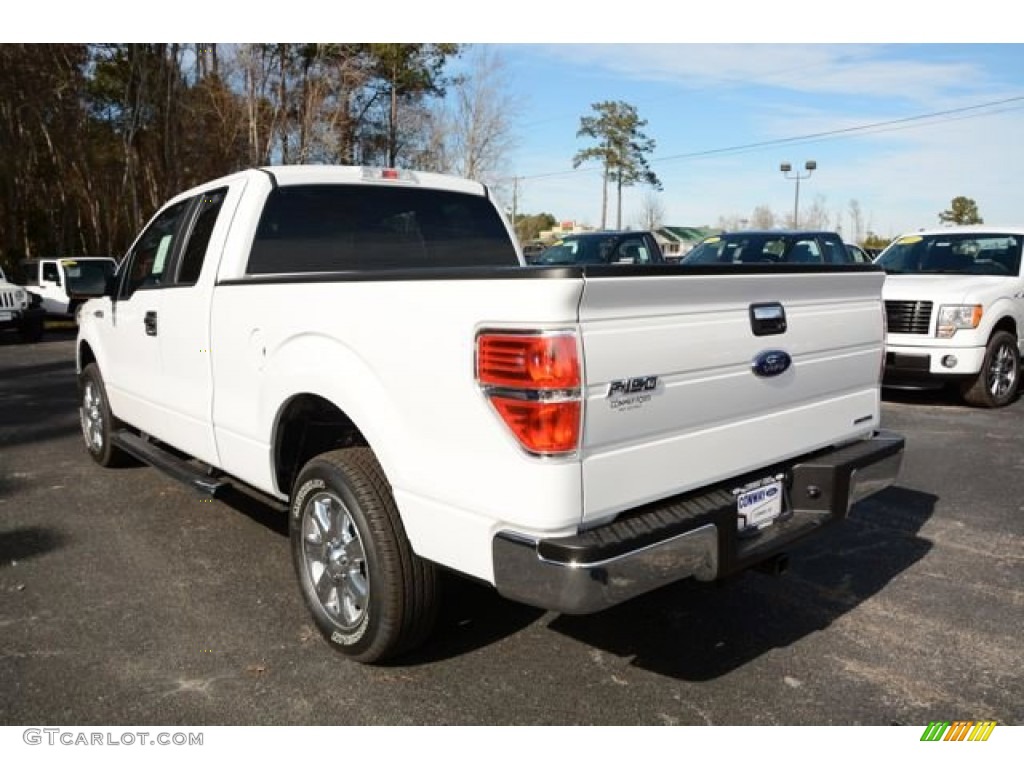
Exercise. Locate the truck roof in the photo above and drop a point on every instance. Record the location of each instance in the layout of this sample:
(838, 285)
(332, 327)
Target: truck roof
(968, 229)
(291, 175)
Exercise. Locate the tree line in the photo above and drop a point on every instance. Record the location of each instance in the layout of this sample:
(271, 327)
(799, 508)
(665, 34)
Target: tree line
(94, 138)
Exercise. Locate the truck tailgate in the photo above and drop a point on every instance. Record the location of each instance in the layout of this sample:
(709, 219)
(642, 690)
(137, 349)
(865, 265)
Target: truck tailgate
(672, 400)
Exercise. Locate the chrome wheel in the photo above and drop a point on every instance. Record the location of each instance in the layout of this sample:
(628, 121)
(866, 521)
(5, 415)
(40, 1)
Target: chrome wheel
(1002, 372)
(334, 561)
(369, 594)
(91, 415)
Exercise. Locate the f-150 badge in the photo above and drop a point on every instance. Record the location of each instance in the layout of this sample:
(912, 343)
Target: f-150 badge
(627, 394)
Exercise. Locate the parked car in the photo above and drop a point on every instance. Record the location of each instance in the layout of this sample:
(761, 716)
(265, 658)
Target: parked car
(771, 247)
(64, 283)
(532, 250)
(619, 247)
(954, 300)
(858, 254)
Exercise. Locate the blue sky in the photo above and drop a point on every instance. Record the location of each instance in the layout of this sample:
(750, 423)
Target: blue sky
(705, 102)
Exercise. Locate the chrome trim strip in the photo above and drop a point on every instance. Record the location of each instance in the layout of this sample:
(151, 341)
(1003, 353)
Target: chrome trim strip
(533, 395)
(873, 478)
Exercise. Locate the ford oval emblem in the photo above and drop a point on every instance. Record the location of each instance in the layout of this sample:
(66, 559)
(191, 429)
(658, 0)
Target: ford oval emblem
(771, 362)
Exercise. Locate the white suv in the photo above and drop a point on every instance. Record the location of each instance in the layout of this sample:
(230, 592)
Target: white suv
(954, 302)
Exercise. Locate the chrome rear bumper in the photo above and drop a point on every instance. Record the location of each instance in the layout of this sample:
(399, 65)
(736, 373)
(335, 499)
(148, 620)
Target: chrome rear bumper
(693, 535)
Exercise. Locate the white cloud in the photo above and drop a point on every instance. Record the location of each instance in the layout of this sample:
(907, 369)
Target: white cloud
(851, 70)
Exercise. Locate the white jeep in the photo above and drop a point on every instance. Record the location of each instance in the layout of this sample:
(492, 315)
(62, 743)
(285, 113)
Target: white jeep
(18, 311)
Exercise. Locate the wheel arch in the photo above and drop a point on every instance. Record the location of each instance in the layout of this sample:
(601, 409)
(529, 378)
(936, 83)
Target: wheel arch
(85, 355)
(319, 385)
(1005, 323)
(306, 425)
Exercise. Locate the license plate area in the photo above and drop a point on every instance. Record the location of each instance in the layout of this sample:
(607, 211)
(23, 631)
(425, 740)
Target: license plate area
(759, 504)
(6, 315)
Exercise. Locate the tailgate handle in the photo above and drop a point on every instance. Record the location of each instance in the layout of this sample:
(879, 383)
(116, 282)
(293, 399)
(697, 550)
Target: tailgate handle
(767, 319)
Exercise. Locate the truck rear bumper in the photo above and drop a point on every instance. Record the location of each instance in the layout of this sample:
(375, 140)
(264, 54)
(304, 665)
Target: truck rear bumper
(692, 535)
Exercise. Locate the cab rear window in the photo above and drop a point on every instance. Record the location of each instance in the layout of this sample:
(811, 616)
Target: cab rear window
(330, 228)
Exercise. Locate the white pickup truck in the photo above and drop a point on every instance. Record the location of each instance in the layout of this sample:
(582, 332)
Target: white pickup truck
(368, 346)
(954, 300)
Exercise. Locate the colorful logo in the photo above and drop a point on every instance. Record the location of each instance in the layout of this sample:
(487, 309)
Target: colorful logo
(958, 730)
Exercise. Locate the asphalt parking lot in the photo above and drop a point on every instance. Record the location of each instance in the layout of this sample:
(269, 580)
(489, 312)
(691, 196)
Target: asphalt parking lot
(126, 599)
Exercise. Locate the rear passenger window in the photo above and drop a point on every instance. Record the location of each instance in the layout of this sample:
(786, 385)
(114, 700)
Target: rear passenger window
(192, 258)
(329, 228)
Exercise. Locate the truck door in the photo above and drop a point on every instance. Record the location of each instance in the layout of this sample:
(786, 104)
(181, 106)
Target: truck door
(184, 325)
(51, 287)
(132, 370)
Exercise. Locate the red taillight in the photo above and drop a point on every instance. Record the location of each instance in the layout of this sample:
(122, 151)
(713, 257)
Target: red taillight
(541, 427)
(532, 362)
(389, 173)
(533, 382)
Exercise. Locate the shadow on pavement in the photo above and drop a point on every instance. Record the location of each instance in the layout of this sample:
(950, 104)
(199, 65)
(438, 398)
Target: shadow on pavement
(23, 543)
(49, 335)
(271, 515)
(472, 616)
(38, 407)
(942, 397)
(697, 632)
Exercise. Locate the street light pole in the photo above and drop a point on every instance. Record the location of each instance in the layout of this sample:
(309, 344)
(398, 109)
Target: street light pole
(786, 168)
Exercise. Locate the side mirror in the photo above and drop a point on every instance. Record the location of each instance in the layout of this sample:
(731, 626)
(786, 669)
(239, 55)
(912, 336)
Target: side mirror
(110, 287)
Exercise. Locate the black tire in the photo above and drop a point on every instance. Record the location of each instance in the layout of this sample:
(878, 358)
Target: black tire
(98, 423)
(31, 331)
(997, 381)
(370, 595)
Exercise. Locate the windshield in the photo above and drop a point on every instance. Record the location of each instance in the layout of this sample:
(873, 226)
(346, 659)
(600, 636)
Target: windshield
(87, 276)
(598, 249)
(765, 248)
(953, 254)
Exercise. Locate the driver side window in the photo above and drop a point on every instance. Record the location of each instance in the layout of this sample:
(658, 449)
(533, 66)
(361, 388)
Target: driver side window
(50, 272)
(150, 258)
(631, 251)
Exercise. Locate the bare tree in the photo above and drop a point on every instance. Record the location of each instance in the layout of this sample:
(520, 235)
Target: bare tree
(483, 114)
(856, 222)
(815, 216)
(762, 218)
(470, 132)
(732, 222)
(652, 212)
